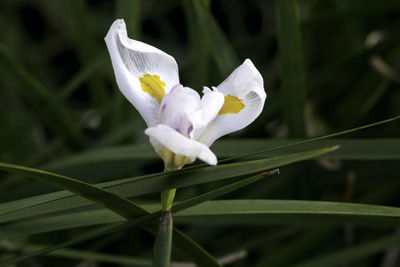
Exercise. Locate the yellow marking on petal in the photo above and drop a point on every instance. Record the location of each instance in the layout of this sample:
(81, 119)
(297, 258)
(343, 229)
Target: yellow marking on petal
(232, 104)
(173, 161)
(153, 85)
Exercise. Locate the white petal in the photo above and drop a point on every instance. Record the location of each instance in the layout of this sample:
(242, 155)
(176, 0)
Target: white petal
(210, 104)
(163, 136)
(132, 60)
(245, 83)
(176, 107)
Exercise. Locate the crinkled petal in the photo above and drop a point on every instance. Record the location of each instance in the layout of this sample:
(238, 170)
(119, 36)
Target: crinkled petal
(162, 136)
(244, 100)
(210, 104)
(176, 106)
(144, 73)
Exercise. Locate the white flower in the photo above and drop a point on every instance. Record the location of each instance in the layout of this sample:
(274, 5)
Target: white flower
(181, 125)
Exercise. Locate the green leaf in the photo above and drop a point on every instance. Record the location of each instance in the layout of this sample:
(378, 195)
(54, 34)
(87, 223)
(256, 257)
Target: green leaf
(231, 212)
(81, 237)
(130, 11)
(187, 245)
(81, 77)
(95, 216)
(347, 255)
(319, 138)
(228, 212)
(199, 47)
(135, 186)
(87, 48)
(114, 202)
(291, 56)
(222, 50)
(38, 96)
(352, 149)
(359, 10)
(91, 255)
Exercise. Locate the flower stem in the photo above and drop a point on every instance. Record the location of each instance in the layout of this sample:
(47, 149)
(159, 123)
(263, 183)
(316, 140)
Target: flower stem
(167, 197)
(163, 243)
(162, 246)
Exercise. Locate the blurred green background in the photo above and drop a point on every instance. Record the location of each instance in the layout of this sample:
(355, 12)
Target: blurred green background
(327, 66)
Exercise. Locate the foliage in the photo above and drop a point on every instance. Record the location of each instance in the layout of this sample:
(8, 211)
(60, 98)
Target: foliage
(328, 66)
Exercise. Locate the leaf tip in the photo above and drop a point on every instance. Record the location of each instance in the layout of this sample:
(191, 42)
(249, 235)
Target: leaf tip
(271, 172)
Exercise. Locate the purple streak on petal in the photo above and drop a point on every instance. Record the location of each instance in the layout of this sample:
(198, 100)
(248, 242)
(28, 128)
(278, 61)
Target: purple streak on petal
(190, 129)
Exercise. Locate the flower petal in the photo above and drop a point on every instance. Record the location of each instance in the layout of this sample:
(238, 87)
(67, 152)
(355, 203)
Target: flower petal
(244, 100)
(162, 137)
(144, 73)
(176, 107)
(210, 104)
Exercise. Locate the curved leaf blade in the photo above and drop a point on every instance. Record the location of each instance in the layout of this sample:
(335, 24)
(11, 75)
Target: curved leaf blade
(135, 186)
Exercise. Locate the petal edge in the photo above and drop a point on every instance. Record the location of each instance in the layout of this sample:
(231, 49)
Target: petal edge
(162, 136)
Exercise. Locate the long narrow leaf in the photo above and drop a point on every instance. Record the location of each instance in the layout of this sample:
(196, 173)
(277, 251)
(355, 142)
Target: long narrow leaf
(361, 149)
(91, 255)
(347, 255)
(119, 205)
(352, 149)
(104, 216)
(187, 245)
(113, 202)
(222, 50)
(287, 211)
(292, 65)
(37, 95)
(146, 184)
(227, 212)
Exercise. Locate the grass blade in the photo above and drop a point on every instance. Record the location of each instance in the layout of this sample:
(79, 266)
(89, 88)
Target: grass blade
(102, 216)
(261, 212)
(87, 48)
(226, 212)
(119, 205)
(222, 50)
(351, 254)
(351, 149)
(187, 245)
(318, 138)
(292, 65)
(82, 237)
(130, 11)
(362, 149)
(110, 200)
(38, 96)
(145, 184)
(91, 255)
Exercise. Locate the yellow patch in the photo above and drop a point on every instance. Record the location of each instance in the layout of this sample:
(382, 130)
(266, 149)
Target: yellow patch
(173, 161)
(153, 85)
(232, 104)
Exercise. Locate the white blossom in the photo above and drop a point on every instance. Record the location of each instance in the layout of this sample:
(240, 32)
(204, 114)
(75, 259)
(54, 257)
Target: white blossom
(181, 125)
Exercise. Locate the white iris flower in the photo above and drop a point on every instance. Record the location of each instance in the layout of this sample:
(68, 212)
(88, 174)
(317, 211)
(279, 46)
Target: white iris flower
(181, 125)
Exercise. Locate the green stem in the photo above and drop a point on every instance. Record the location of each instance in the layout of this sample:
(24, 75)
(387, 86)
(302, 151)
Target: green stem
(167, 197)
(162, 246)
(163, 243)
